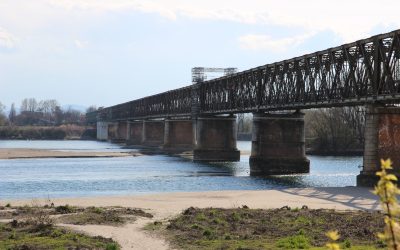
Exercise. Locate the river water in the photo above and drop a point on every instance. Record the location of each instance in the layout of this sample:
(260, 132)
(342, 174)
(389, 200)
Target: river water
(78, 177)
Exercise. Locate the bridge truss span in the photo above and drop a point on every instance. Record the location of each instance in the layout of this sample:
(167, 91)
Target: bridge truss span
(362, 72)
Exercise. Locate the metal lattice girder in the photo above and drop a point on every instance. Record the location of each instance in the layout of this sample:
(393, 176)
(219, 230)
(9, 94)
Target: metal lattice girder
(366, 71)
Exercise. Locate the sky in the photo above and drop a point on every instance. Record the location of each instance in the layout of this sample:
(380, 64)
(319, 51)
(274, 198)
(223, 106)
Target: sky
(105, 52)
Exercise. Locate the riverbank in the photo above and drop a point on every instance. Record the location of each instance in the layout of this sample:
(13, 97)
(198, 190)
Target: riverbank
(168, 205)
(19, 153)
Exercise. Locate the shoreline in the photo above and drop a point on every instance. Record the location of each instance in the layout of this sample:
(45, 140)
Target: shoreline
(342, 198)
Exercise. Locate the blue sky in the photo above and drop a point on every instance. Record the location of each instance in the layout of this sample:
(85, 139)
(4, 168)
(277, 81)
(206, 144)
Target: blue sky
(105, 52)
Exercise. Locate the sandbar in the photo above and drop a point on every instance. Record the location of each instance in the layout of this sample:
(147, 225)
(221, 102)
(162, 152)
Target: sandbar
(19, 153)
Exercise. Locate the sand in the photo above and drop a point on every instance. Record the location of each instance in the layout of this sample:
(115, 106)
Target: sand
(6, 153)
(167, 205)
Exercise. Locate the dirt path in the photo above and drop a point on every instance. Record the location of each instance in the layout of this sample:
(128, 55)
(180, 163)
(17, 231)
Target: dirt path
(130, 236)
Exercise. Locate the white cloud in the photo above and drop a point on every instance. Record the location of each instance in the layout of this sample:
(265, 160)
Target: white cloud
(350, 19)
(117, 5)
(7, 40)
(265, 42)
(81, 44)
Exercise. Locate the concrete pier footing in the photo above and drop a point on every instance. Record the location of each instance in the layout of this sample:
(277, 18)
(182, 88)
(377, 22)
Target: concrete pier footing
(382, 141)
(278, 144)
(215, 139)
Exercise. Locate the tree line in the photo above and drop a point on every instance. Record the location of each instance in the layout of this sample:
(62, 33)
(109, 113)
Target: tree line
(32, 112)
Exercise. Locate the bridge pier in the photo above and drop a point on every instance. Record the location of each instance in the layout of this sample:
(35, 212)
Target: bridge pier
(122, 130)
(382, 141)
(178, 134)
(112, 131)
(153, 133)
(135, 133)
(215, 139)
(278, 144)
(102, 131)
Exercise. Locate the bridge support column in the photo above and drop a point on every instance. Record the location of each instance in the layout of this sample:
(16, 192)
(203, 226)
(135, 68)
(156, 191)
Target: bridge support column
(112, 131)
(178, 134)
(122, 129)
(278, 144)
(153, 133)
(102, 131)
(135, 133)
(382, 141)
(215, 139)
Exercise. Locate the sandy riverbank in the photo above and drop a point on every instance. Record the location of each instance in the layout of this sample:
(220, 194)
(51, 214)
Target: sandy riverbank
(166, 205)
(18, 153)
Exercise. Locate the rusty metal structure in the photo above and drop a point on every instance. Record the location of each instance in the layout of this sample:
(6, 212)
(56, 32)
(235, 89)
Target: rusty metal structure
(363, 72)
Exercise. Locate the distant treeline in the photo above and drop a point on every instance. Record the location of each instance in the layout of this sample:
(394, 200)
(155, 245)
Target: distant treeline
(41, 113)
(46, 133)
(335, 131)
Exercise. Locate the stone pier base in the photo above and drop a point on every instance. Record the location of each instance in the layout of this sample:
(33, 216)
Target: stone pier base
(215, 139)
(382, 141)
(153, 133)
(278, 144)
(178, 135)
(135, 133)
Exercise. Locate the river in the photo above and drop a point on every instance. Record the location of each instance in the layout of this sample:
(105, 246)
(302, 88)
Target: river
(80, 177)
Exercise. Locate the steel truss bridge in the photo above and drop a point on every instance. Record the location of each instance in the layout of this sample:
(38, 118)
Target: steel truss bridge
(358, 73)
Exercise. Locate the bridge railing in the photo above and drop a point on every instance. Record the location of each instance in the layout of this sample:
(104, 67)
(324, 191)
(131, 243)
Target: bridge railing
(171, 103)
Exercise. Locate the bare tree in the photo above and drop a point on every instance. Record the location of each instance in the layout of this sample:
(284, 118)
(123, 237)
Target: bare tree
(3, 118)
(91, 108)
(336, 129)
(29, 104)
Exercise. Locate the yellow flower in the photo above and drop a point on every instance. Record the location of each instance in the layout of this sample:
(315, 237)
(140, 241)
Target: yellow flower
(391, 177)
(333, 235)
(386, 164)
(332, 246)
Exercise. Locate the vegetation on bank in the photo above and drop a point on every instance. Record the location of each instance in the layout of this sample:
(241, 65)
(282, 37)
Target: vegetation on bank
(26, 236)
(66, 214)
(285, 228)
(33, 227)
(46, 133)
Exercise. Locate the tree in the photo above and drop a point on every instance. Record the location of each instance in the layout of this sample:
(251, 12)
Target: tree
(29, 104)
(336, 130)
(13, 114)
(3, 118)
(91, 108)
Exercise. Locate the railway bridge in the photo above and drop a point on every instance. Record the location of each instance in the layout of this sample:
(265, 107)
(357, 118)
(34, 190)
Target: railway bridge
(202, 116)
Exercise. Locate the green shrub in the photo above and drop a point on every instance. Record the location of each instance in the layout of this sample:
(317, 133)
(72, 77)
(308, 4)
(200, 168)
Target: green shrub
(66, 209)
(112, 246)
(294, 242)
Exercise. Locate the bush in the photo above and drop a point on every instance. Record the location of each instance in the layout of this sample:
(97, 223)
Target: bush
(294, 242)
